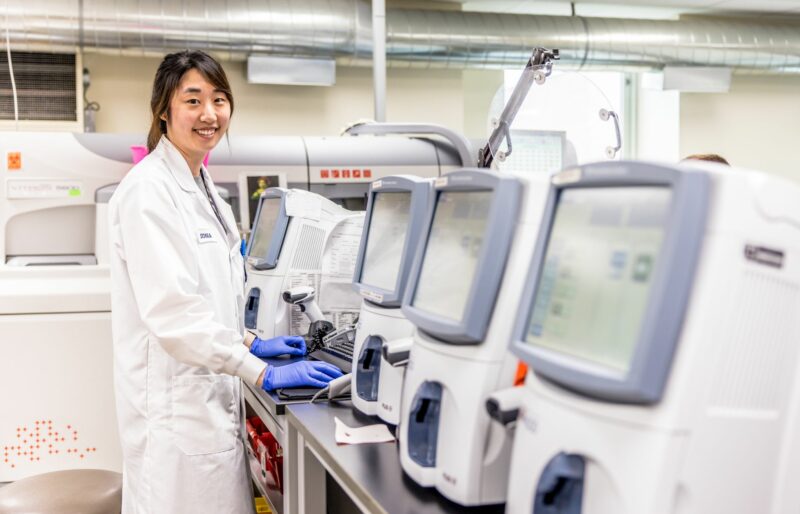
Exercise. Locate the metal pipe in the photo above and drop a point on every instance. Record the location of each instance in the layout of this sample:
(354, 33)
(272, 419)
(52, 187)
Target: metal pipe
(379, 57)
(414, 38)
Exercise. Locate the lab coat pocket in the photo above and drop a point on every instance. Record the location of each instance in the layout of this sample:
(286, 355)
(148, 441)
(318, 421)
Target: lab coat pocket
(203, 414)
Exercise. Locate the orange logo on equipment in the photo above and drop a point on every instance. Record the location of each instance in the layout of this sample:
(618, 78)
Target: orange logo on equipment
(14, 160)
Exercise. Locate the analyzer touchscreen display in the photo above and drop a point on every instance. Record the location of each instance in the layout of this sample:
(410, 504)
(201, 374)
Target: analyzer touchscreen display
(451, 256)
(597, 273)
(264, 227)
(388, 227)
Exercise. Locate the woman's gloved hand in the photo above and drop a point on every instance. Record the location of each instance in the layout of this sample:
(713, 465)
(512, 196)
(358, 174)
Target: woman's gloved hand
(300, 374)
(281, 345)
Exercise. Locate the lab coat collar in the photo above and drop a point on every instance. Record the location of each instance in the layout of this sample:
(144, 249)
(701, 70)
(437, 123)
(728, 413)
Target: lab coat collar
(177, 165)
(179, 169)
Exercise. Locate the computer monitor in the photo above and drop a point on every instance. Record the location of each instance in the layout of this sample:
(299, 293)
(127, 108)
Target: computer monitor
(454, 246)
(269, 230)
(397, 210)
(612, 272)
(458, 270)
(536, 151)
(254, 184)
(387, 233)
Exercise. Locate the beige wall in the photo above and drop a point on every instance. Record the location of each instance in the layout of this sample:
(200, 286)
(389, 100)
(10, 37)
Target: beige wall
(756, 125)
(479, 87)
(459, 100)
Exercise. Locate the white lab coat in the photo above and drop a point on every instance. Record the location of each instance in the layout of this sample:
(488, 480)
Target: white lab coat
(177, 319)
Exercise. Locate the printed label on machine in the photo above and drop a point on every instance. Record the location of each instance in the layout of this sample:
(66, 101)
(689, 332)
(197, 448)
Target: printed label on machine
(370, 295)
(42, 188)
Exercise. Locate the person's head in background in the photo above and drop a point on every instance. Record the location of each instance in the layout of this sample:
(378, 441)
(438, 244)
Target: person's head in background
(711, 157)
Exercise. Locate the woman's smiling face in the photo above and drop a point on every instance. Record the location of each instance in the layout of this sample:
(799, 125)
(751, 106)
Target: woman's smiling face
(199, 115)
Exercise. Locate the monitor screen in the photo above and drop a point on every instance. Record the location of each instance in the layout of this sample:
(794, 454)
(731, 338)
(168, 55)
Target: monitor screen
(388, 227)
(535, 151)
(597, 273)
(451, 255)
(265, 225)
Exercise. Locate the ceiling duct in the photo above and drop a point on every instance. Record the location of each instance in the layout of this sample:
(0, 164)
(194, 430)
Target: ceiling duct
(415, 38)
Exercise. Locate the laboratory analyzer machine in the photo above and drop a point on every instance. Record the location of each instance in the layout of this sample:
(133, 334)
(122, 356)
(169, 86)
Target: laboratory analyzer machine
(660, 321)
(462, 299)
(398, 208)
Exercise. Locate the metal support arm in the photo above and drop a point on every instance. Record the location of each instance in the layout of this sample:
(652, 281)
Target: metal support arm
(539, 67)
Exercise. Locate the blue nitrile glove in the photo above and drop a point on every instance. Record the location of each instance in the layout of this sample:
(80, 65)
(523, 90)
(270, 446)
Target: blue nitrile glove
(281, 345)
(300, 374)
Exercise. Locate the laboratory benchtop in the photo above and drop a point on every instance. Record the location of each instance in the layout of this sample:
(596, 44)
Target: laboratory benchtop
(371, 471)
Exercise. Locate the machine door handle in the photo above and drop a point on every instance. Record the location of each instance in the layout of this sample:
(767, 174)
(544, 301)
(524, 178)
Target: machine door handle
(560, 487)
(503, 416)
(398, 351)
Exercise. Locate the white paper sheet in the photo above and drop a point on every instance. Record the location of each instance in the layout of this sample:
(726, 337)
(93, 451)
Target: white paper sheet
(338, 300)
(370, 434)
(303, 206)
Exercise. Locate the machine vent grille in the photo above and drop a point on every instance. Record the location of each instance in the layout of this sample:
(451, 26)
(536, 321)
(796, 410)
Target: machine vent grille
(309, 252)
(762, 334)
(46, 86)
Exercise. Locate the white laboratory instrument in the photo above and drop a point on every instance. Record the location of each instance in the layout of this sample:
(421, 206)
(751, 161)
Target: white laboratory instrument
(294, 233)
(660, 319)
(398, 209)
(55, 307)
(462, 299)
(339, 168)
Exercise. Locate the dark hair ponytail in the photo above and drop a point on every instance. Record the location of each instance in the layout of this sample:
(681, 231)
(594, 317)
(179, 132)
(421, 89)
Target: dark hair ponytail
(168, 77)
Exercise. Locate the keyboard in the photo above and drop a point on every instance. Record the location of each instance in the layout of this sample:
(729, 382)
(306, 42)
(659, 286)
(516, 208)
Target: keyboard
(338, 349)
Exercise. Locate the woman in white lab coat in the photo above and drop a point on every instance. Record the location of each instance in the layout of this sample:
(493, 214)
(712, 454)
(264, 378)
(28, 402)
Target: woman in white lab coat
(180, 350)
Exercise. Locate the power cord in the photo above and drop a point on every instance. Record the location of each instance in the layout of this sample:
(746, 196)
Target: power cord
(335, 387)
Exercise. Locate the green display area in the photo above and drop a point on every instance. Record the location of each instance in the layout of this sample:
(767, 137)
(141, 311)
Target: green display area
(598, 271)
(265, 226)
(387, 235)
(451, 256)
